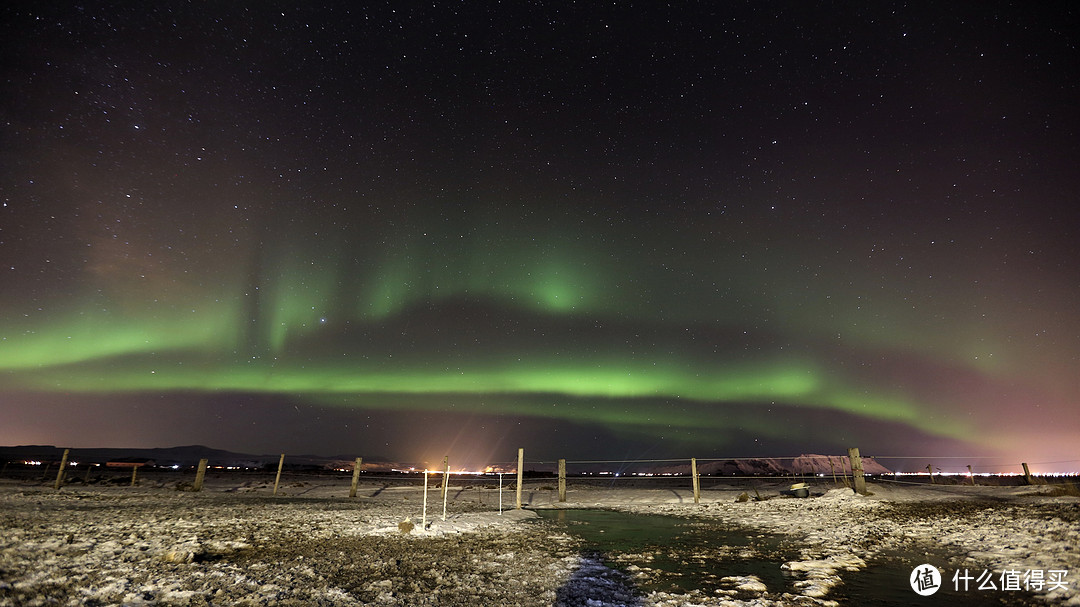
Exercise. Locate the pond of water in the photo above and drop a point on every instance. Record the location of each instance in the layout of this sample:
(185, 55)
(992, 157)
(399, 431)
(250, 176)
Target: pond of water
(674, 554)
(677, 554)
(885, 582)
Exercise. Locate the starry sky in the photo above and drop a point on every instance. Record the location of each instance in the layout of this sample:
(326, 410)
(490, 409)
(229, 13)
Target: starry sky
(593, 230)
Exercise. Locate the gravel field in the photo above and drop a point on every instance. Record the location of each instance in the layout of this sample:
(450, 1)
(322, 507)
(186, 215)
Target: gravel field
(236, 544)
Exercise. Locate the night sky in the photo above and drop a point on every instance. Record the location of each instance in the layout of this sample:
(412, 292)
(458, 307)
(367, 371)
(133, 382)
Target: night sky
(593, 230)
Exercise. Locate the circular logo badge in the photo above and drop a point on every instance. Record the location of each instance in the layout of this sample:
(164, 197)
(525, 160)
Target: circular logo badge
(925, 579)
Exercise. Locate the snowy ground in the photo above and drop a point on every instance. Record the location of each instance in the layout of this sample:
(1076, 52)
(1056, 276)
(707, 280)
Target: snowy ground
(235, 544)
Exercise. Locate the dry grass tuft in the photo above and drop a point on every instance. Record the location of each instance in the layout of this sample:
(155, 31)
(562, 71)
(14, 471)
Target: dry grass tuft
(1064, 489)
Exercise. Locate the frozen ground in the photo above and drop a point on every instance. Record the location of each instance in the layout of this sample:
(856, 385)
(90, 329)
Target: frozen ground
(235, 544)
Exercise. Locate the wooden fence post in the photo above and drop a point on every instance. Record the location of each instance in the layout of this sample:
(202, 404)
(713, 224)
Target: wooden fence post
(277, 479)
(697, 482)
(60, 474)
(857, 470)
(445, 483)
(200, 475)
(971, 475)
(562, 480)
(423, 517)
(1027, 475)
(86, 479)
(134, 472)
(930, 471)
(446, 475)
(520, 475)
(355, 476)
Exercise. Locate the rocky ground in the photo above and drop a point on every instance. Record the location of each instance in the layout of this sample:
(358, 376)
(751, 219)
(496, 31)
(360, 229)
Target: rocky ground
(235, 544)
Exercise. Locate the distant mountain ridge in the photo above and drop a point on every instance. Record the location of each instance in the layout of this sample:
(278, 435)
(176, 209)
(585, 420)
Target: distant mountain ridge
(782, 466)
(187, 455)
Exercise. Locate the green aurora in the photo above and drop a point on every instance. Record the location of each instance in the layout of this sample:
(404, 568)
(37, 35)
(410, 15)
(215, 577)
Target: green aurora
(333, 329)
(718, 230)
